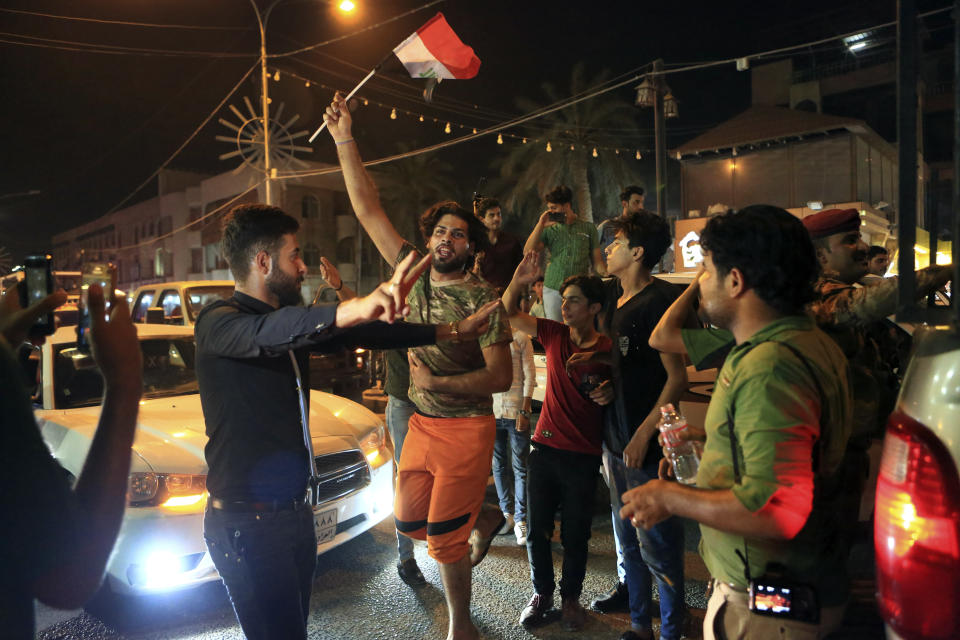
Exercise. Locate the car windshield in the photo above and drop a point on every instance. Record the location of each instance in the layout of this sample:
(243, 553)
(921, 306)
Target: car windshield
(168, 370)
(199, 297)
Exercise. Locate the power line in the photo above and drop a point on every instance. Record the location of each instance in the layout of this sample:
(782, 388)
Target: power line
(124, 22)
(118, 49)
(187, 141)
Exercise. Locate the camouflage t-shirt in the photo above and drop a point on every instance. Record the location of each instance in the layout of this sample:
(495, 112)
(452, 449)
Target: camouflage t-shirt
(441, 302)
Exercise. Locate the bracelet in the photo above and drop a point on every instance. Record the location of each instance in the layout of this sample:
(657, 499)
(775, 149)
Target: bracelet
(340, 142)
(455, 331)
(340, 287)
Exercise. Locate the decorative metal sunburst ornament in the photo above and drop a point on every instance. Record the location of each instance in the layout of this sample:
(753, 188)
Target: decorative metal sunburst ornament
(248, 138)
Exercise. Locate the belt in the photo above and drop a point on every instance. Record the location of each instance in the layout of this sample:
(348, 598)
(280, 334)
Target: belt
(731, 592)
(290, 504)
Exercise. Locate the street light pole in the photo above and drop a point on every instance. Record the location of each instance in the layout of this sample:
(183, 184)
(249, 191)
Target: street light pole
(264, 96)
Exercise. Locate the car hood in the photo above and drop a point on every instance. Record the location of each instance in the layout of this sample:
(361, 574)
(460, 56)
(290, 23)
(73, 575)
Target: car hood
(171, 434)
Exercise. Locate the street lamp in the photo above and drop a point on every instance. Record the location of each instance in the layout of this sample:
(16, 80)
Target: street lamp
(654, 92)
(262, 18)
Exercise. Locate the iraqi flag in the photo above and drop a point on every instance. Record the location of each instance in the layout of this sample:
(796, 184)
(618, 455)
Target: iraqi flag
(435, 51)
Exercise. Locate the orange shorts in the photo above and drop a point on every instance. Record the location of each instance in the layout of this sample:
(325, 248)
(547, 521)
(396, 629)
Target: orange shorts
(441, 481)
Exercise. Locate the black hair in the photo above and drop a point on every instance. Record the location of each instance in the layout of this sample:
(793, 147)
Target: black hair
(771, 248)
(485, 205)
(249, 229)
(876, 250)
(590, 286)
(629, 191)
(559, 195)
(645, 229)
(476, 232)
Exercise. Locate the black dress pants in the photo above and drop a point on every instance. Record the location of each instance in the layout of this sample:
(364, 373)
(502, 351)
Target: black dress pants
(266, 561)
(564, 480)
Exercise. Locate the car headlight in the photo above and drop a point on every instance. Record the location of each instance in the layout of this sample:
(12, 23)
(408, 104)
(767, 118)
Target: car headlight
(148, 489)
(373, 445)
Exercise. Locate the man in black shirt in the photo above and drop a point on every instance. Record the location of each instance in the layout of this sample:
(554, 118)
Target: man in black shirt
(252, 356)
(648, 380)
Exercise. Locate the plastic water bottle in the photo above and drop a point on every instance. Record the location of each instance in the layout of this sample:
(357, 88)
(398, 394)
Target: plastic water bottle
(684, 455)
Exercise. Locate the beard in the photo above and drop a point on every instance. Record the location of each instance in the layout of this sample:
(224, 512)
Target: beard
(453, 263)
(285, 287)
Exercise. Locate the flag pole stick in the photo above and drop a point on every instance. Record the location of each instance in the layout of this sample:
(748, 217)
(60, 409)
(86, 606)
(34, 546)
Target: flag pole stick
(354, 91)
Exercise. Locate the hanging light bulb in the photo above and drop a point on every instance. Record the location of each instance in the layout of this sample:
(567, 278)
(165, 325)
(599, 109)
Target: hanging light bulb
(524, 141)
(594, 152)
(616, 151)
(447, 129)
(549, 148)
(638, 155)
(307, 83)
(572, 148)
(269, 100)
(421, 118)
(276, 76)
(393, 114)
(474, 129)
(499, 138)
(366, 102)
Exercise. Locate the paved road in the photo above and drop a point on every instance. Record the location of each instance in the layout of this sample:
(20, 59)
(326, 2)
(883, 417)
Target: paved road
(358, 595)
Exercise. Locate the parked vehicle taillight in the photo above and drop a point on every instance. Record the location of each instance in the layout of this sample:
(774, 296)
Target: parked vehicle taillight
(916, 533)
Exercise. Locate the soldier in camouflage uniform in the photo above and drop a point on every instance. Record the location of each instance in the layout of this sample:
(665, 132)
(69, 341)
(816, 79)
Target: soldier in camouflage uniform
(445, 463)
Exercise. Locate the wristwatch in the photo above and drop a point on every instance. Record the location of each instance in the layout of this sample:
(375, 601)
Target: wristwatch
(455, 331)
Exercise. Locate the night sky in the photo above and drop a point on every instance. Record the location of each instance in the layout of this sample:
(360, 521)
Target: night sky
(84, 129)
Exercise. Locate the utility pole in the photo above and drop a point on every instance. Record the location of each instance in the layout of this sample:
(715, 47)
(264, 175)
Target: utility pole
(265, 97)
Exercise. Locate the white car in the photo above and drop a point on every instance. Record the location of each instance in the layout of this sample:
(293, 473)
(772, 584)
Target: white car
(917, 514)
(161, 546)
(177, 303)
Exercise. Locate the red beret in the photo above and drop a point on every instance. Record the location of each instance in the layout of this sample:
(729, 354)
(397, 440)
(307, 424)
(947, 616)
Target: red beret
(831, 221)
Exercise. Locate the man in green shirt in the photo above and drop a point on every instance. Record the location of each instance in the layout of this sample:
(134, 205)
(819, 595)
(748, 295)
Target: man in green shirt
(572, 243)
(781, 400)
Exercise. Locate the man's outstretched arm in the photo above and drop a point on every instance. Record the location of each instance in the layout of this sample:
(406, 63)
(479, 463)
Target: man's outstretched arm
(363, 193)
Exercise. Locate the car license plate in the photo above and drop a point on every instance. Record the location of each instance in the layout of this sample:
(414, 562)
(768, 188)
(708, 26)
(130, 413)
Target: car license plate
(325, 523)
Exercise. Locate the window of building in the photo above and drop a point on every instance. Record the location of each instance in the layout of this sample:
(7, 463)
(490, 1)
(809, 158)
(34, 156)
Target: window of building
(310, 207)
(311, 255)
(345, 250)
(196, 260)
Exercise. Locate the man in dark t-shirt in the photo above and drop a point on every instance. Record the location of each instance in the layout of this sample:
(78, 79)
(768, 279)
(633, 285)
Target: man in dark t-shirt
(562, 468)
(647, 380)
(500, 257)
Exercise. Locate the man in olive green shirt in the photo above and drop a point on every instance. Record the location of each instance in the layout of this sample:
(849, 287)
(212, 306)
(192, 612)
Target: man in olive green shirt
(572, 244)
(784, 391)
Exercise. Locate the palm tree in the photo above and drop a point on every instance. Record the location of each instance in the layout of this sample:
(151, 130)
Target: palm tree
(573, 134)
(409, 186)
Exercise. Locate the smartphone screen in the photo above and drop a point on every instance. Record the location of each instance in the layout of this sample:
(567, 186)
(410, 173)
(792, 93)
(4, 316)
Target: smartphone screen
(105, 275)
(38, 284)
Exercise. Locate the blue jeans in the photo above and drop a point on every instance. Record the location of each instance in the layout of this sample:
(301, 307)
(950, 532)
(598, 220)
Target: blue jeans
(398, 415)
(658, 551)
(614, 516)
(510, 451)
(266, 560)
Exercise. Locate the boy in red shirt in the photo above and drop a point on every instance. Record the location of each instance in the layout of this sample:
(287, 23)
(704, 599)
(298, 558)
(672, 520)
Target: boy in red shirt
(562, 468)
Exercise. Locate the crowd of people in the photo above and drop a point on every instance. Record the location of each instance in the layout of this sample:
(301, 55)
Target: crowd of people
(786, 309)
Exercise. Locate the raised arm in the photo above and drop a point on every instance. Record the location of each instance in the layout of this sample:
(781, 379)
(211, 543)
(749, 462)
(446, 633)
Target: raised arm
(665, 337)
(101, 487)
(525, 274)
(533, 242)
(331, 277)
(363, 193)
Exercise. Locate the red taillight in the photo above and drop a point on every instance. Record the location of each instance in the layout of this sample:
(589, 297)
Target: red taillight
(917, 533)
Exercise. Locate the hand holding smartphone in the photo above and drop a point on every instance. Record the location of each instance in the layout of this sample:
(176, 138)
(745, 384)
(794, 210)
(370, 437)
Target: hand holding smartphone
(105, 275)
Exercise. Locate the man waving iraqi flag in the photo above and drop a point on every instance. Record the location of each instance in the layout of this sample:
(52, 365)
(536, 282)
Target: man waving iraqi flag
(433, 52)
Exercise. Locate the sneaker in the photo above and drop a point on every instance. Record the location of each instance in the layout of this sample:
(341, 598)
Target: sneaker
(520, 530)
(632, 634)
(617, 600)
(410, 573)
(573, 617)
(507, 525)
(536, 610)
